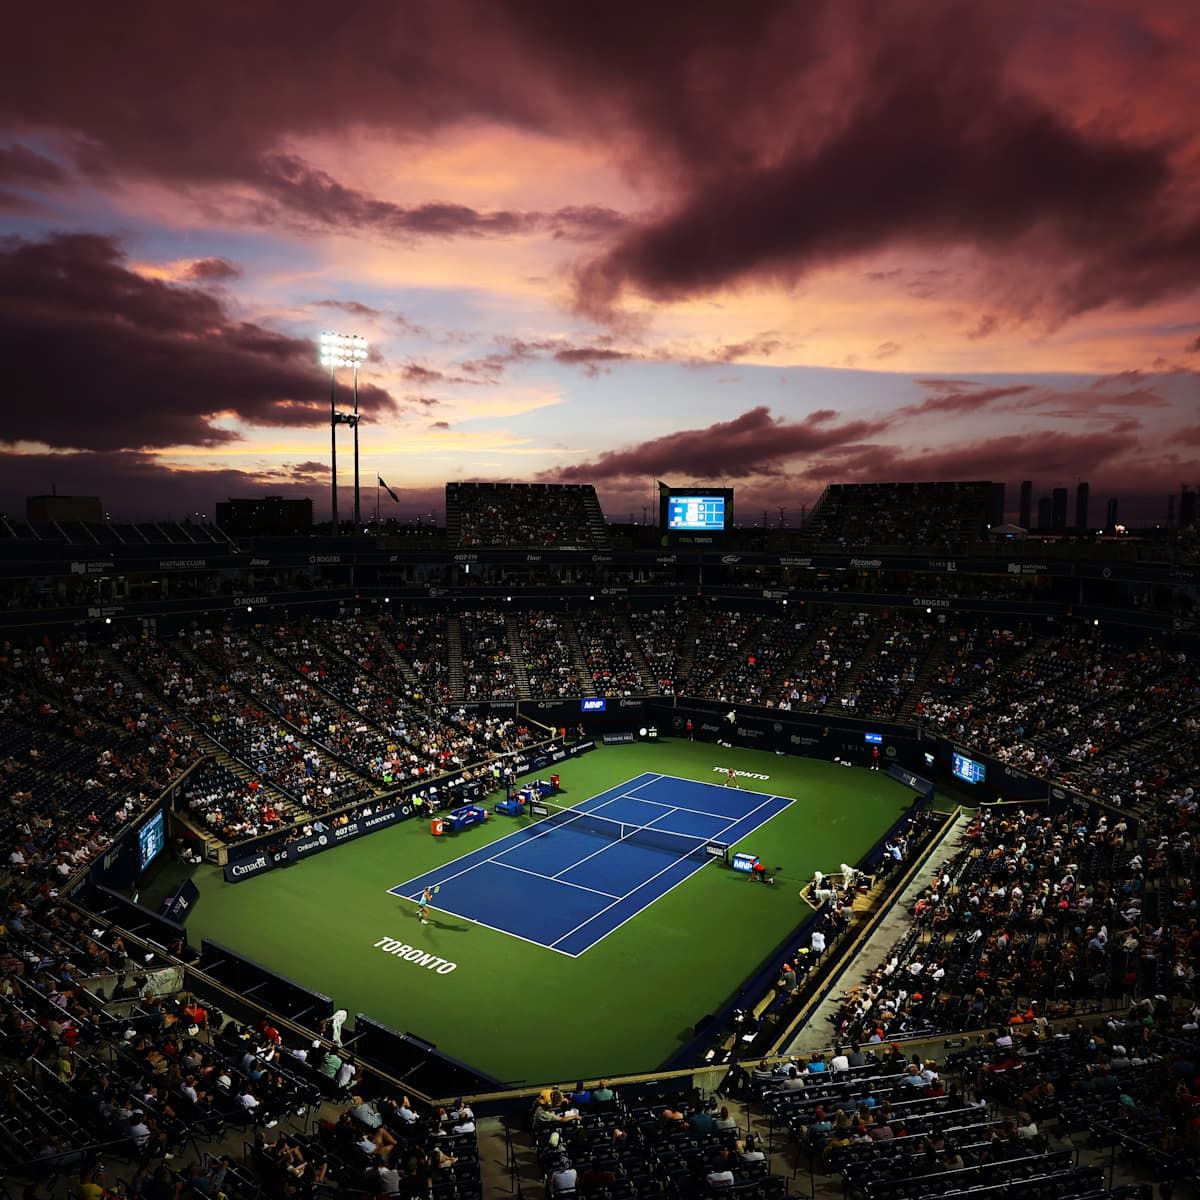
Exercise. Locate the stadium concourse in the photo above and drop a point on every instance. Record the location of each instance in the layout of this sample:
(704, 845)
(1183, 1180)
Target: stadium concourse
(1006, 1006)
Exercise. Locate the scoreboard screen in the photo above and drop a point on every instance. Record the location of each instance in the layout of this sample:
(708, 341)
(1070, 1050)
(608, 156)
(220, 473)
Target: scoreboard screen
(967, 769)
(151, 839)
(701, 514)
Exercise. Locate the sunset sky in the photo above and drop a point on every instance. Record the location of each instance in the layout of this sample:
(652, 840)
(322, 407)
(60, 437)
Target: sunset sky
(765, 245)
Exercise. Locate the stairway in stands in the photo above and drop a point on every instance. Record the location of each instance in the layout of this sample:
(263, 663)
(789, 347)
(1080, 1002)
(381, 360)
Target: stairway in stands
(512, 635)
(597, 526)
(454, 650)
(288, 808)
(933, 660)
(453, 517)
(850, 682)
(645, 673)
(570, 633)
(385, 640)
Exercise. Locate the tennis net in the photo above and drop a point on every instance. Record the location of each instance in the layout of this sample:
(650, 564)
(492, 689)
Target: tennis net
(679, 844)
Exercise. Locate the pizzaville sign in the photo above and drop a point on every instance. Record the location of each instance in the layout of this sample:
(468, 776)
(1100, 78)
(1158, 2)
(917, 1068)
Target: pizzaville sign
(415, 955)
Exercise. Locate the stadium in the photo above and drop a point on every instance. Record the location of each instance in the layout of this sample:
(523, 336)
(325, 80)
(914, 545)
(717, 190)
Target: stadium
(600, 601)
(701, 812)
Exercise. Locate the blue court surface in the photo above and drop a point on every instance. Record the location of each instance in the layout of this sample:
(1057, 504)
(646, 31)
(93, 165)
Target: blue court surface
(565, 882)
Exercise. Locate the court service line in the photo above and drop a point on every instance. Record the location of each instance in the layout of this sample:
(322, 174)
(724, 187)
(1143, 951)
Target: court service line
(673, 863)
(507, 932)
(618, 841)
(516, 839)
(699, 812)
(709, 784)
(659, 895)
(555, 879)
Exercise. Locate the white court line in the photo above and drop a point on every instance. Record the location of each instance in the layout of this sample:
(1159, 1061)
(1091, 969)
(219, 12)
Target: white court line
(496, 929)
(673, 863)
(518, 839)
(555, 879)
(708, 784)
(629, 839)
(659, 895)
(679, 808)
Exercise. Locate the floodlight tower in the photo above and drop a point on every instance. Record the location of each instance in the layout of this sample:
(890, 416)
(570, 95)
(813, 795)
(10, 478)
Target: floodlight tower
(342, 350)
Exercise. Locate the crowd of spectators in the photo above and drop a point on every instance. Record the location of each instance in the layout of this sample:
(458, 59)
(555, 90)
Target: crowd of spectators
(893, 514)
(1037, 917)
(590, 1142)
(419, 638)
(659, 635)
(486, 661)
(888, 673)
(382, 731)
(717, 638)
(757, 675)
(1113, 722)
(825, 662)
(106, 1060)
(547, 657)
(232, 807)
(260, 741)
(524, 514)
(608, 654)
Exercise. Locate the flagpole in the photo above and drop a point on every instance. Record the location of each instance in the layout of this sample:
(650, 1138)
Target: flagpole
(377, 502)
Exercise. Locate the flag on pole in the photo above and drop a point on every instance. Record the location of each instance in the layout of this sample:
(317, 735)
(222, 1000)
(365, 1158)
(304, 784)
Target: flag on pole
(387, 489)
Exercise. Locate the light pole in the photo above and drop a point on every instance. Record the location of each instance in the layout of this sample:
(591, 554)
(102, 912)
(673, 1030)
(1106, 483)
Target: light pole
(342, 350)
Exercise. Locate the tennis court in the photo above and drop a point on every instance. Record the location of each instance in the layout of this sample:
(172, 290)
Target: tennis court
(570, 879)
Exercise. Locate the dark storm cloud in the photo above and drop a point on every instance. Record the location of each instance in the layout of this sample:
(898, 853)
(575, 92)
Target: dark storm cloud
(353, 308)
(762, 345)
(987, 324)
(753, 443)
(1049, 455)
(959, 396)
(106, 359)
(930, 160)
(779, 136)
(21, 167)
(214, 270)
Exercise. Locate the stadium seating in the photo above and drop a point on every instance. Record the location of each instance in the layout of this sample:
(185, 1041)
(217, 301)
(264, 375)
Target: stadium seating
(893, 514)
(1036, 920)
(524, 515)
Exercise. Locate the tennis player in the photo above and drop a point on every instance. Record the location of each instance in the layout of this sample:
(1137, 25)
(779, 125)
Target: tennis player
(731, 779)
(423, 907)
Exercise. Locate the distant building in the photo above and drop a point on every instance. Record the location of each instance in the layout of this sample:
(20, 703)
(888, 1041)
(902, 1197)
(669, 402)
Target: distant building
(1081, 507)
(1058, 510)
(1044, 522)
(1026, 514)
(1187, 508)
(41, 510)
(1110, 516)
(265, 516)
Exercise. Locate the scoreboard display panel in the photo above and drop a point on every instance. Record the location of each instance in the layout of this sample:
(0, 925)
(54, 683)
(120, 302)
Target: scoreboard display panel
(696, 514)
(967, 769)
(702, 513)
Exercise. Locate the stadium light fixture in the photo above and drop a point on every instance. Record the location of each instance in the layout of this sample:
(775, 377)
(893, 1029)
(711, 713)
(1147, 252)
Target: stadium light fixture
(342, 350)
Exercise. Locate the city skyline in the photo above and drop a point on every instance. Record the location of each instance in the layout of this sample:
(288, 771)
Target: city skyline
(768, 249)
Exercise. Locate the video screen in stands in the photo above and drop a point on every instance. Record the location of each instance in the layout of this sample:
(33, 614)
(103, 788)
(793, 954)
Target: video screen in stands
(151, 838)
(967, 769)
(704, 514)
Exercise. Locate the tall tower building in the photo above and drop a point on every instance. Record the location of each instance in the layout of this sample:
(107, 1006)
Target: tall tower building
(1081, 507)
